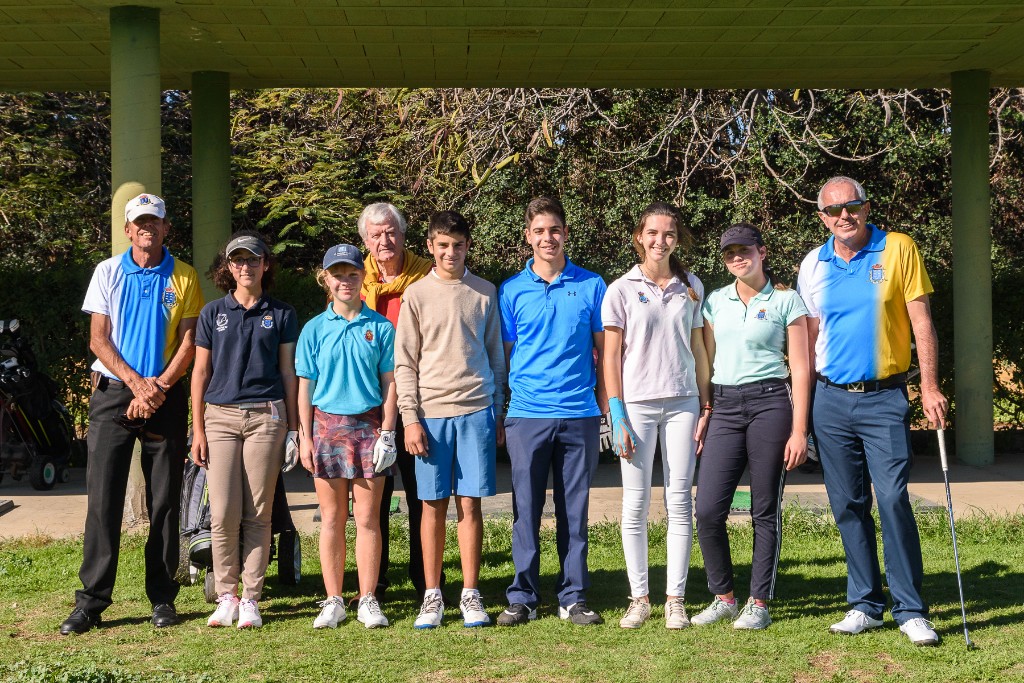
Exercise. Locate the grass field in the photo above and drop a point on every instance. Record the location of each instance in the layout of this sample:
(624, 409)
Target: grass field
(38, 578)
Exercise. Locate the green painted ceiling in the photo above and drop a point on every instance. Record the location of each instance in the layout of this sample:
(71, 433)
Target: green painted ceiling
(64, 44)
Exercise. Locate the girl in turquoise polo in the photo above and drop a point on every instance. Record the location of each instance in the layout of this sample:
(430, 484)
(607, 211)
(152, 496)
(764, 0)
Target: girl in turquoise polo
(759, 419)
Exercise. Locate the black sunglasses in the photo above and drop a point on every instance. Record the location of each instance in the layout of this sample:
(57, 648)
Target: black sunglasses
(836, 210)
(129, 423)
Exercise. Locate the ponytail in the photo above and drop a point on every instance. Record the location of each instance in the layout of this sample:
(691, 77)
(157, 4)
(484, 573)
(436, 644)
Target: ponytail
(772, 277)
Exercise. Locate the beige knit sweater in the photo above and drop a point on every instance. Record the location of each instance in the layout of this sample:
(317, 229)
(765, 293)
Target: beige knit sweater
(449, 359)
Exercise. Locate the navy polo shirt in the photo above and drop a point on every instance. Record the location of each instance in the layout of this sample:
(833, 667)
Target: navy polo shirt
(244, 346)
(552, 327)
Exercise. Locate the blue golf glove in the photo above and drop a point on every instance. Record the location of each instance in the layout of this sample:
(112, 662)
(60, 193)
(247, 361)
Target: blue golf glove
(624, 439)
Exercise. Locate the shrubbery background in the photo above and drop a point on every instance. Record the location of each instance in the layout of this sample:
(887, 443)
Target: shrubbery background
(306, 161)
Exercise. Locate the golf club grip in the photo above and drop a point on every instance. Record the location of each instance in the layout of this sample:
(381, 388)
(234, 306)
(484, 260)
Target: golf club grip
(942, 449)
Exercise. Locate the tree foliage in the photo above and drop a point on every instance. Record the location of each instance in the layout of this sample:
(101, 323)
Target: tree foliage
(305, 162)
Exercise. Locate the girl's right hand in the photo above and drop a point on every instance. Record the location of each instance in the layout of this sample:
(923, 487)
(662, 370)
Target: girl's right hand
(306, 453)
(200, 449)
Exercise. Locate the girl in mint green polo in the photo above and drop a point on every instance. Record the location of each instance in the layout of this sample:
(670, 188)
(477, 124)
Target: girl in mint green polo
(758, 421)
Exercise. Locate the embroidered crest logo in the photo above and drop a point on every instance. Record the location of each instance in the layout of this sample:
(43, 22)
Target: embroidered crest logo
(762, 314)
(368, 336)
(169, 299)
(222, 322)
(877, 274)
(267, 322)
(643, 298)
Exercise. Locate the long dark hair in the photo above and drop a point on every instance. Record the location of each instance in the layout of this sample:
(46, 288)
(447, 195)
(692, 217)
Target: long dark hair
(220, 272)
(765, 265)
(684, 244)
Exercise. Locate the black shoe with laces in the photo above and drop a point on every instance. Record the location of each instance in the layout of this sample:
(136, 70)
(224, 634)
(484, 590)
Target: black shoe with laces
(580, 614)
(516, 614)
(79, 621)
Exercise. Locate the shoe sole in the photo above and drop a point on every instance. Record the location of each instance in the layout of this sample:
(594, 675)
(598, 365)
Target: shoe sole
(321, 627)
(251, 624)
(424, 627)
(218, 624)
(841, 632)
(631, 625)
(476, 624)
(373, 624)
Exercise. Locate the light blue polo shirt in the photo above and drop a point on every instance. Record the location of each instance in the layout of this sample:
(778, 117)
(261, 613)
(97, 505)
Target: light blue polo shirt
(750, 340)
(346, 359)
(552, 327)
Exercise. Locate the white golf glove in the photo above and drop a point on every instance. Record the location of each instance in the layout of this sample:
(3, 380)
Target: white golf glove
(384, 450)
(606, 432)
(291, 451)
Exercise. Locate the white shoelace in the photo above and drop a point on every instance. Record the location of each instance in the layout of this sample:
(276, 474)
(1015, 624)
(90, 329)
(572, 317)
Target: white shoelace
(371, 605)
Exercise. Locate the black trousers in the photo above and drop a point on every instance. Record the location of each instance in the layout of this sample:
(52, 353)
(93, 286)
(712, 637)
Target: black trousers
(407, 468)
(749, 427)
(110, 453)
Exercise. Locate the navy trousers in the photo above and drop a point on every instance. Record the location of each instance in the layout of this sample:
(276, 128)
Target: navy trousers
(536, 446)
(864, 439)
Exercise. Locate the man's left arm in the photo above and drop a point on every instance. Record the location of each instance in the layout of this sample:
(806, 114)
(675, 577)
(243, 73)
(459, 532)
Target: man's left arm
(182, 358)
(932, 400)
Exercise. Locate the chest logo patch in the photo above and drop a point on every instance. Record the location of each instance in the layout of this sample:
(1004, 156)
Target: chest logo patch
(267, 322)
(169, 299)
(368, 336)
(877, 274)
(222, 322)
(762, 314)
(571, 292)
(643, 298)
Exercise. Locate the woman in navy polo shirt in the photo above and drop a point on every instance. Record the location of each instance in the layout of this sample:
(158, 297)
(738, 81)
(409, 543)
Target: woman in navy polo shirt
(655, 372)
(348, 409)
(245, 374)
(759, 420)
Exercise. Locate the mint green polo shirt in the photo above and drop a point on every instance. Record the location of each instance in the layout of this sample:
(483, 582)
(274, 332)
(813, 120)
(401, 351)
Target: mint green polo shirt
(750, 341)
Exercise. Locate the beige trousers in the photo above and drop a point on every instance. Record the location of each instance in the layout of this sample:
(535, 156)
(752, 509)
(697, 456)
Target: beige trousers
(246, 454)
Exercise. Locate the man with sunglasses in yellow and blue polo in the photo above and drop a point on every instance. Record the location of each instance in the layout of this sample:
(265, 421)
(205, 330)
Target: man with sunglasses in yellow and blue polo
(866, 290)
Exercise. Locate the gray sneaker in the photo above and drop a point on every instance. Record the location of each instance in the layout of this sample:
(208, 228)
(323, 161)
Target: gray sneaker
(717, 611)
(753, 617)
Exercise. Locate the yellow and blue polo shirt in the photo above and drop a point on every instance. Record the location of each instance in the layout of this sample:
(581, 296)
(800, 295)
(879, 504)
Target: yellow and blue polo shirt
(864, 329)
(145, 307)
(750, 340)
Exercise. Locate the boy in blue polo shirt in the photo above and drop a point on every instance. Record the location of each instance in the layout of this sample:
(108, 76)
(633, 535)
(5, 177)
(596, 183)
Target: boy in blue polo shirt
(551, 324)
(450, 372)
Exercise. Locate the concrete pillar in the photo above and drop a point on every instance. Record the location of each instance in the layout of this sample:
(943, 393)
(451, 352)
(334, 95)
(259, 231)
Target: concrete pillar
(134, 111)
(211, 170)
(134, 153)
(972, 269)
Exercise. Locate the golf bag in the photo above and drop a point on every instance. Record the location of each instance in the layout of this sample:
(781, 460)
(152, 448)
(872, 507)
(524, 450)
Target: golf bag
(37, 434)
(196, 544)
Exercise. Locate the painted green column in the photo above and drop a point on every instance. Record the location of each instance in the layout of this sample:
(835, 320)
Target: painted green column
(211, 170)
(972, 269)
(134, 111)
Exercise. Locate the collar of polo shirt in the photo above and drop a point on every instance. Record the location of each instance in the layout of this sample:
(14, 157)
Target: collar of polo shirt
(765, 293)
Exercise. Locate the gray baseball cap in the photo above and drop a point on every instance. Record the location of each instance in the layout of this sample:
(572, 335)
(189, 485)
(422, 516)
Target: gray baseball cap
(343, 253)
(251, 244)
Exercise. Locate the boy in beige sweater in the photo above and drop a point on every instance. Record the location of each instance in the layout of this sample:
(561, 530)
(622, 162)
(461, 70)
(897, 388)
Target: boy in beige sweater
(450, 372)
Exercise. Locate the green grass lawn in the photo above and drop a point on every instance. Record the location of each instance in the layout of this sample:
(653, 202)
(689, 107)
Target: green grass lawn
(38, 579)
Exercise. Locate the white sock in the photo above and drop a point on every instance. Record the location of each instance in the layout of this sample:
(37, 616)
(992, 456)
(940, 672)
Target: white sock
(470, 591)
(431, 591)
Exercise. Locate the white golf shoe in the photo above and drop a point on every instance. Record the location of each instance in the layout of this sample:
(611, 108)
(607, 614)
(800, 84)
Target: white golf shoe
(854, 622)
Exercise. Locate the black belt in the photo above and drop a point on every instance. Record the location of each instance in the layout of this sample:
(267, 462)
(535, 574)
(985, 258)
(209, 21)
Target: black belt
(102, 382)
(867, 385)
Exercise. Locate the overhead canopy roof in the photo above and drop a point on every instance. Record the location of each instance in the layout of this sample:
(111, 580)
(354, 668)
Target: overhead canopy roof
(65, 44)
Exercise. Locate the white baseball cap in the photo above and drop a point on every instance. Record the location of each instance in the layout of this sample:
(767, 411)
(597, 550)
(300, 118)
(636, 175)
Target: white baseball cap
(144, 205)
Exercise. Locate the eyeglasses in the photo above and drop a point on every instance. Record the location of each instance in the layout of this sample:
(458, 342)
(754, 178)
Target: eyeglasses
(836, 210)
(131, 424)
(251, 261)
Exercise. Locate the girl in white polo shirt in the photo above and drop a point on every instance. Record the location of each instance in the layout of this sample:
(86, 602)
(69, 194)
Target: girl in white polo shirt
(654, 367)
(759, 420)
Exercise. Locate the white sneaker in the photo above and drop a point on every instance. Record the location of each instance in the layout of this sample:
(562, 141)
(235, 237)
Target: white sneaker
(718, 610)
(431, 611)
(472, 606)
(854, 622)
(753, 617)
(675, 614)
(249, 614)
(637, 613)
(369, 612)
(332, 614)
(920, 631)
(226, 612)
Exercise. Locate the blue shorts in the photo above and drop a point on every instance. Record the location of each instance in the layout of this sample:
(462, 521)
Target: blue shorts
(461, 457)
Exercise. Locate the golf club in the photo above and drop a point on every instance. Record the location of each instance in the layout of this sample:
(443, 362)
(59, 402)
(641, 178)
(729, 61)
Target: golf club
(952, 531)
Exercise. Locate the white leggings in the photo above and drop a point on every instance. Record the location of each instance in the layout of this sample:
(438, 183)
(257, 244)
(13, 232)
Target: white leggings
(673, 420)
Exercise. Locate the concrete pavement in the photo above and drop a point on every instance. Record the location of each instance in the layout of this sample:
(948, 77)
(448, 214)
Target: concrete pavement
(997, 489)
